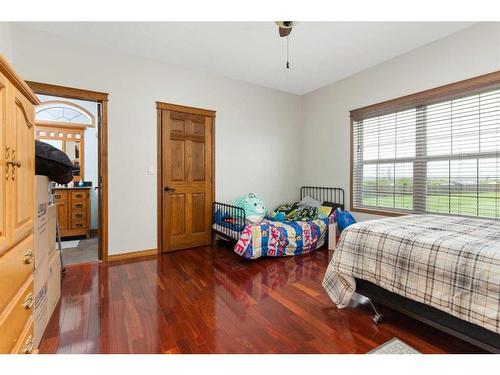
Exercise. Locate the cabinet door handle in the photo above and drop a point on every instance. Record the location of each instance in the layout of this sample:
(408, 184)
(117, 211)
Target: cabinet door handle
(15, 163)
(28, 302)
(28, 257)
(28, 346)
(7, 162)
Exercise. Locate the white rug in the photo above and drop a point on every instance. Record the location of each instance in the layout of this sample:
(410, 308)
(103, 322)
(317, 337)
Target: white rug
(69, 244)
(394, 346)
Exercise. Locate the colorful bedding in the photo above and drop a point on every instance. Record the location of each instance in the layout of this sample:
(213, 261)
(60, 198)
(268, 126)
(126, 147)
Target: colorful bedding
(288, 238)
(295, 212)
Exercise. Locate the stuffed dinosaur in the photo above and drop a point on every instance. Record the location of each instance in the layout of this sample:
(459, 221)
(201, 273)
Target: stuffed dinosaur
(253, 206)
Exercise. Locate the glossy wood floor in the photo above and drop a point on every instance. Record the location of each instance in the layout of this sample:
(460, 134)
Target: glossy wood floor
(210, 300)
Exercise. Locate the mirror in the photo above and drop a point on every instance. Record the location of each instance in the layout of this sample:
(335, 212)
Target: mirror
(70, 140)
(55, 143)
(72, 149)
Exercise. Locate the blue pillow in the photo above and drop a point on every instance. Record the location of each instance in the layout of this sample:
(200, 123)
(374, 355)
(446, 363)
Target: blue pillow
(344, 219)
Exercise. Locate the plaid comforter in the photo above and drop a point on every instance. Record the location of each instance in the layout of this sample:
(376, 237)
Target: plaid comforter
(450, 263)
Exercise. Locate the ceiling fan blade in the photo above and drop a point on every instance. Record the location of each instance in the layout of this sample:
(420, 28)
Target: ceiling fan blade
(285, 31)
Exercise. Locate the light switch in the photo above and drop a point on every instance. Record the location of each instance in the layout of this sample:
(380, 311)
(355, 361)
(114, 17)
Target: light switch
(151, 169)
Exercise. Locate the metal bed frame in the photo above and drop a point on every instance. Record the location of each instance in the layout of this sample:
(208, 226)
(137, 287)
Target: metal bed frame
(229, 210)
(468, 332)
(334, 197)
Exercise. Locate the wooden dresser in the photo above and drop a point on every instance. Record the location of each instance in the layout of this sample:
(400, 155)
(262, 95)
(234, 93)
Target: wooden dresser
(73, 211)
(17, 211)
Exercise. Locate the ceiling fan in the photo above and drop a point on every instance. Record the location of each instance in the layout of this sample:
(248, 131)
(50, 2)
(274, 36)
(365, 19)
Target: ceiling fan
(284, 29)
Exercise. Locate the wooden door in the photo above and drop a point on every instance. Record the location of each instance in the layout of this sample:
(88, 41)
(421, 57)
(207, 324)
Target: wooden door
(187, 179)
(4, 168)
(22, 140)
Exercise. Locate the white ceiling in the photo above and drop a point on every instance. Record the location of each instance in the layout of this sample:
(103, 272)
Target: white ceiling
(320, 52)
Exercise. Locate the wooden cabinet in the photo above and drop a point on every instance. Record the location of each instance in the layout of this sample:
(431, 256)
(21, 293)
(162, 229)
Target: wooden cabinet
(73, 211)
(11, 329)
(4, 150)
(23, 176)
(17, 211)
(16, 266)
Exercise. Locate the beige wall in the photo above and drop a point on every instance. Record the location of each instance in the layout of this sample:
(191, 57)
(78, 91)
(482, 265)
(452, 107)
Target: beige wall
(257, 129)
(6, 39)
(468, 53)
(268, 142)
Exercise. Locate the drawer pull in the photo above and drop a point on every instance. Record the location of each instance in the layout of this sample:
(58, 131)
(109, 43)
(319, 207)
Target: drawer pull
(28, 346)
(78, 225)
(79, 205)
(58, 196)
(79, 215)
(28, 302)
(28, 257)
(79, 195)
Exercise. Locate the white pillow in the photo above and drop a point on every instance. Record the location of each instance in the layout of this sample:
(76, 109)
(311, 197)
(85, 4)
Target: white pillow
(308, 201)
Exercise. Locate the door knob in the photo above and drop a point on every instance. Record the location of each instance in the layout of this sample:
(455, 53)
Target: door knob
(168, 188)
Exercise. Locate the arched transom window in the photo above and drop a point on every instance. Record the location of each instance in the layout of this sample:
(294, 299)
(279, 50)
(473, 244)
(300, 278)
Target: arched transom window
(58, 111)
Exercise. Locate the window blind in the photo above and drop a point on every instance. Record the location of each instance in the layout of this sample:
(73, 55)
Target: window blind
(441, 157)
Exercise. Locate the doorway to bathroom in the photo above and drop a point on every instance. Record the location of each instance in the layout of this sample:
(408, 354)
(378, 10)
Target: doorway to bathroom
(75, 122)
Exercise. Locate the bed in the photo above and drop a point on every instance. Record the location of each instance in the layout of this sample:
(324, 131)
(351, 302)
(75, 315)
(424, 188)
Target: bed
(274, 238)
(442, 270)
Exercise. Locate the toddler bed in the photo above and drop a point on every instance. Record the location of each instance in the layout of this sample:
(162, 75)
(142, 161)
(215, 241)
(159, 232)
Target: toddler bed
(276, 238)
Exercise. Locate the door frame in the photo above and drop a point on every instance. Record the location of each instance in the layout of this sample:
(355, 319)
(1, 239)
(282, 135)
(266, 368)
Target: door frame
(183, 109)
(102, 99)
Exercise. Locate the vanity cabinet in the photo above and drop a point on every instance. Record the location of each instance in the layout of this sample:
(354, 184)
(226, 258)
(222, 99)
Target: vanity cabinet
(73, 211)
(17, 211)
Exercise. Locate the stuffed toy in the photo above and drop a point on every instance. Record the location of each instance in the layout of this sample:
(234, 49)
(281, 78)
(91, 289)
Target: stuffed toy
(253, 206)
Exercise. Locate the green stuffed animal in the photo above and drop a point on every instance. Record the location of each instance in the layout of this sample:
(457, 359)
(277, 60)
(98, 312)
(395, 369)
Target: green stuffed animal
(255, 210)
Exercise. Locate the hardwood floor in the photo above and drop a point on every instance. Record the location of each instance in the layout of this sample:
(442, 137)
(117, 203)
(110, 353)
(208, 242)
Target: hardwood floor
(210, 300)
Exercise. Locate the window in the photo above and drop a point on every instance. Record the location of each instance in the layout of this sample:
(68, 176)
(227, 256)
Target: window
(53, 111)
(436, 152)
